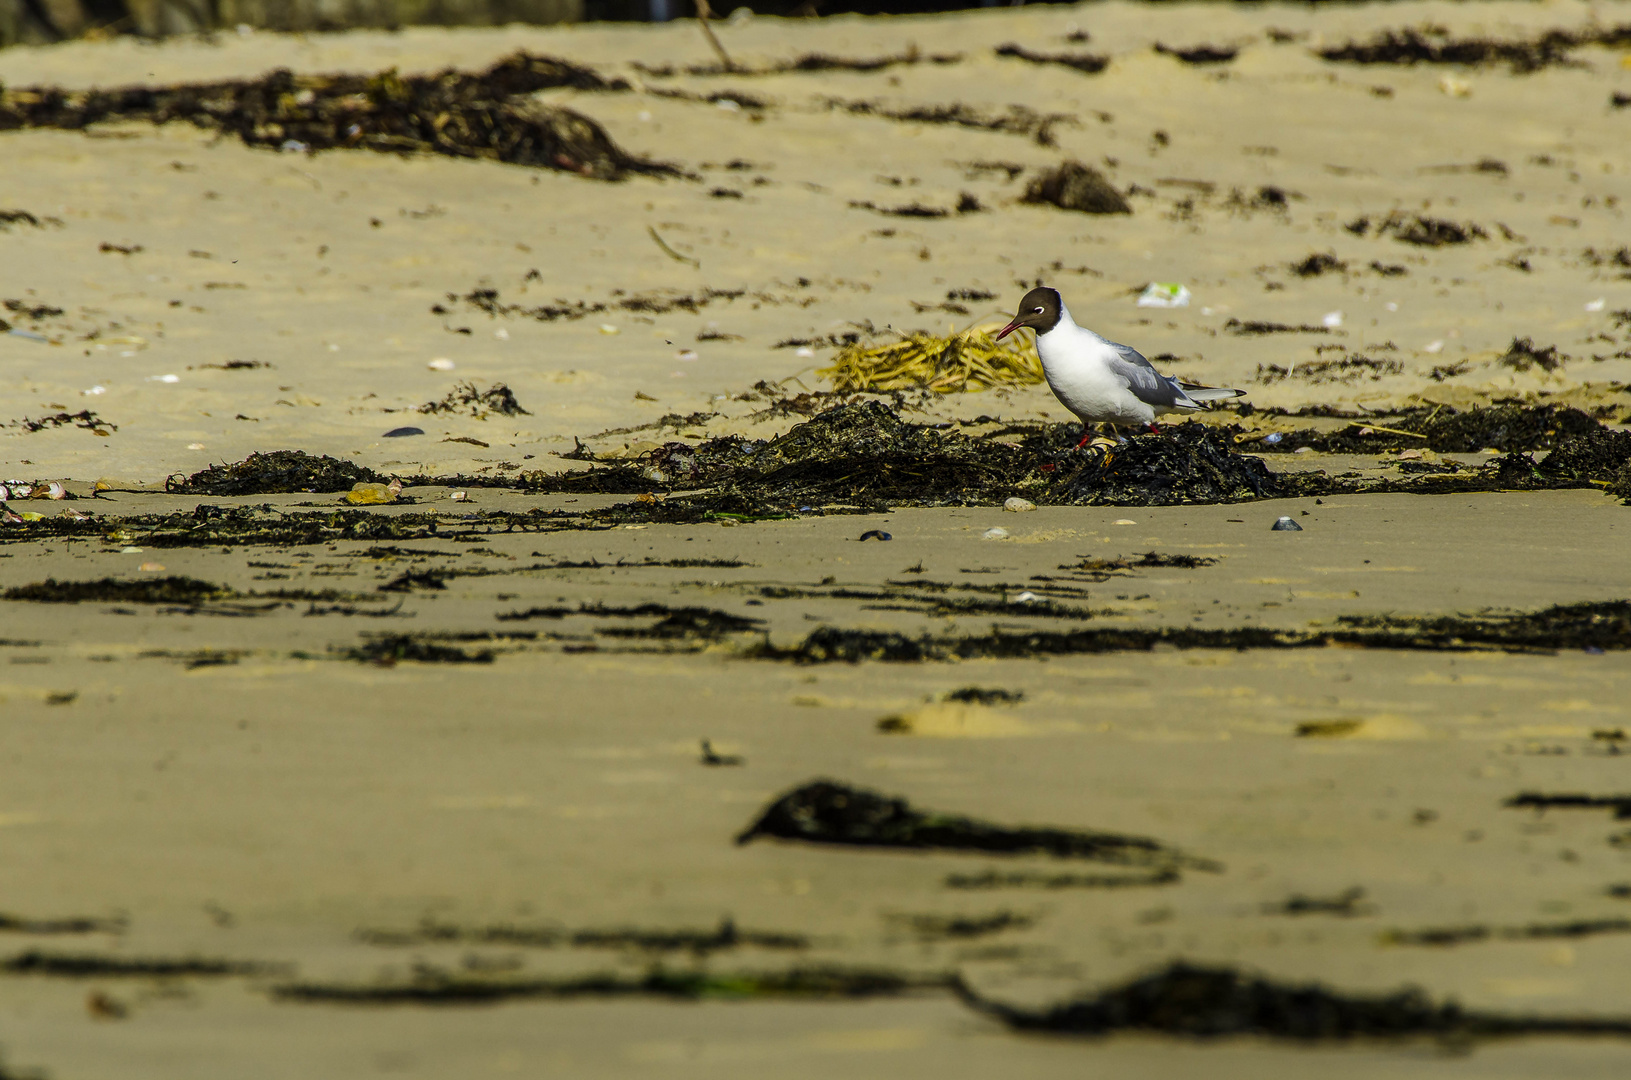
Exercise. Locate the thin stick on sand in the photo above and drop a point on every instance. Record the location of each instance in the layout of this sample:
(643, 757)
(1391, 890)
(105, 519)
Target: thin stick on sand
(704, 13)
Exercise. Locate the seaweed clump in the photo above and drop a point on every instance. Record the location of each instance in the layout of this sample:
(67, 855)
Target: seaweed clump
(1186, 463)
(828, 812)
(1074, 186)
(1434, 45)
(275, 472)
(970, 360)
(498, 398)
(1208, 1002)
(165, 590)
(488, 114)
(1086, 63)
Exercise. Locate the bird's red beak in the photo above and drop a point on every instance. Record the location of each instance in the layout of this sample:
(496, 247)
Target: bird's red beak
(1009, 329)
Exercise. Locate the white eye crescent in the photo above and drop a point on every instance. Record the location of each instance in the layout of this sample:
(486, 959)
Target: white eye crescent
(1036, 311)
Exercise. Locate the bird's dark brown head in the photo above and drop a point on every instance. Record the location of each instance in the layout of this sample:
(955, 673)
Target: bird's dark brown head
(1041, 310)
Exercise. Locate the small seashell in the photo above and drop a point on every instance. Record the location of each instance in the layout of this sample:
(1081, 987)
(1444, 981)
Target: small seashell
(608, 328)
(1433, 347)
(1596, 305)
(74, 515)
(1026, 597)
(53, 490)
(501, 334)
(459, 496)
(994, 534)
(9, 516)
(1410, 455)
(195, 446)
(1017, 505)
(5, 493)
(395, 486)
(1285, 524)
(21, 491)
(1124, 521)
(441, 363)
(804, 352)
(1333, 319)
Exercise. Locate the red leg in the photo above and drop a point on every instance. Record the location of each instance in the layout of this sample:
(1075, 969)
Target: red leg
(1154, 430)
(1087, 435)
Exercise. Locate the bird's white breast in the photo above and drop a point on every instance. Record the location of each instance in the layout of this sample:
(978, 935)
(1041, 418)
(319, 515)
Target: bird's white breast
(1076, 363)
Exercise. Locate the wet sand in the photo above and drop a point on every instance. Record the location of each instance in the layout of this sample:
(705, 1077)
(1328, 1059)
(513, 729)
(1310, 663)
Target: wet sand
(212, 803)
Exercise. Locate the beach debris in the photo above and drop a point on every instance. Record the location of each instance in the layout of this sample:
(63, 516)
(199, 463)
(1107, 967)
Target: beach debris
(829, 812)
(995, 533)
(1419, 230)
(1016, 505)
(875, 534)
(489, 114)
(1285, 524)
(1434, 45)
(370, 494)
(1194, 1001)
(274, 472)
(403, 432)
(84, 418)
(430, 985)
(712, 757)
(481, 404)
(169, 590)
(1522, 355)
(965, 361)
(1086, 63)
(389, 649)
(1320, 262)
(1200, 54)
(1164, 294)
(1074, 186)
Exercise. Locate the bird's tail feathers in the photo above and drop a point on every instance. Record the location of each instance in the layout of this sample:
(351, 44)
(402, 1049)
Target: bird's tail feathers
(1211, 393)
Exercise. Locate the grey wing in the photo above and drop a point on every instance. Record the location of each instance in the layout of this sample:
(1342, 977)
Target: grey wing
(1148, 385)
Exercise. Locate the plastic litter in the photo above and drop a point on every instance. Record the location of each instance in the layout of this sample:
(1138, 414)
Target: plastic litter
(1164, 294)
(1285, 524)
(370, 495)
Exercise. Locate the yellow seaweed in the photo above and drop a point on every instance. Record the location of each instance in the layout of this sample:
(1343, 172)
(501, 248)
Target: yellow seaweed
(962, 361)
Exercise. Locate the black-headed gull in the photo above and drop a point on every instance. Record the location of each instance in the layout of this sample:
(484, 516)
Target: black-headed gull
(1103, 382)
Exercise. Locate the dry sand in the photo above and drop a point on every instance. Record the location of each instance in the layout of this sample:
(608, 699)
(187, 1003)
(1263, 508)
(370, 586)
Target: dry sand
(218, 782)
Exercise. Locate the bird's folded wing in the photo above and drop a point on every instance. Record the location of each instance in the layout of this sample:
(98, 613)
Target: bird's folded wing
(1147, 384)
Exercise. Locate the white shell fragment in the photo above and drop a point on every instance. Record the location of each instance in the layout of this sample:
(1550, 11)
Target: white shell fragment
(441, 363)
(994, 534)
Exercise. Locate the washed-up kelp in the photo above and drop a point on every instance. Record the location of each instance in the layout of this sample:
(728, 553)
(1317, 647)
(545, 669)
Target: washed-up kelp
(968, 360)
(827, 812)
(864, 456)
(1604, 626)
(1434, 45)
(726, 936)
(1195, 1001)
(432, 986)
(483, 115)
(165, 590)
(276, 472)
(1074, 186)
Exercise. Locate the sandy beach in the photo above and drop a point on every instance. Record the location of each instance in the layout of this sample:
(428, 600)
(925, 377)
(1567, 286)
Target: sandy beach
(467, 783)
